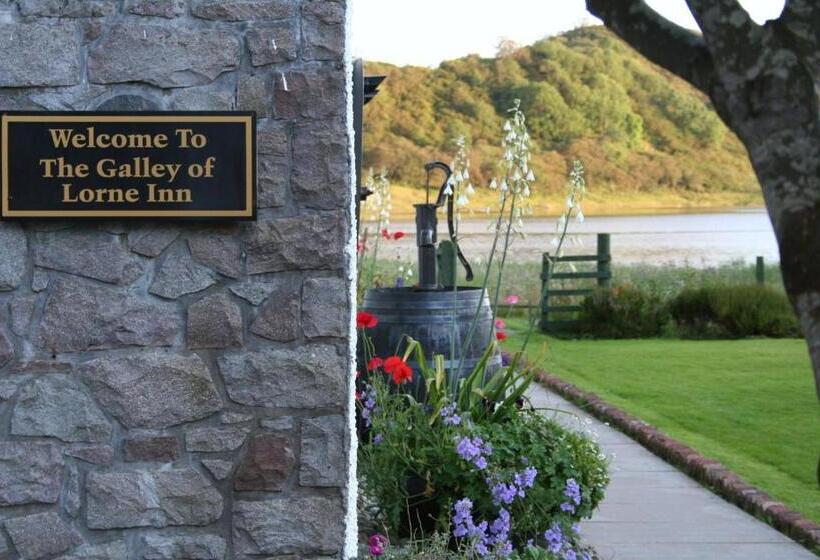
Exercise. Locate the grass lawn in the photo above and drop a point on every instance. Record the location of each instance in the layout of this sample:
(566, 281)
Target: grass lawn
(750, 404)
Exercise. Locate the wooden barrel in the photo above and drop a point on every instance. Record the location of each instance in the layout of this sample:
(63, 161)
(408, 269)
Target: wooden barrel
(431, 317)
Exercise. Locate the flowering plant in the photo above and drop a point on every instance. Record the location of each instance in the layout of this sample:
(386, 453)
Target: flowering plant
(468, 456)
(494, 486)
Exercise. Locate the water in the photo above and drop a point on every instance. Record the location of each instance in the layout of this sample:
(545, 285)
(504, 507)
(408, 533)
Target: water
(697, 239)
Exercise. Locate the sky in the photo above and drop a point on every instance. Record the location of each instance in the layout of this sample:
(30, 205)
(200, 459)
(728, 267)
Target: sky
(425, 32)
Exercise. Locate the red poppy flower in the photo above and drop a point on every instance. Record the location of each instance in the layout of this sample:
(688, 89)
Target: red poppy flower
(385, 233)
(399, 369)
(365, 320)
(360, 247)
(501, 336)
(398, 235)
(402, 374)
(374, 363)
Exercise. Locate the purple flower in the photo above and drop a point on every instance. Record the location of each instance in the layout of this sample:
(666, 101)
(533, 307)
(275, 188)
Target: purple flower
(449, 416)
(474, 450)
(377, 439)
(526, 478)
(468, 448)
(369, 405)
(555, 538)
(504, 493)
(573, 491)
(567, 507)
(569, 554)
(576, 528)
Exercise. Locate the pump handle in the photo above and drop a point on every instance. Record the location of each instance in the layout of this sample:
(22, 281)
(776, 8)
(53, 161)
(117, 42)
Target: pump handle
(429, 167)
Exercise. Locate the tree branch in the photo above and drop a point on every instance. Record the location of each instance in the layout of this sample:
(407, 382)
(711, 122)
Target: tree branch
(732, 37)
(670, 46)
(801, 22)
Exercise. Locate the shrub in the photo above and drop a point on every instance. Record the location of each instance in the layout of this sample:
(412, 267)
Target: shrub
(722, 311)
(624, 312)
(423, 471)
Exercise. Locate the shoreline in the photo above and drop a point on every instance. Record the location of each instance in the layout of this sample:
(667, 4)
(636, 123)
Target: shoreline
(615, 204)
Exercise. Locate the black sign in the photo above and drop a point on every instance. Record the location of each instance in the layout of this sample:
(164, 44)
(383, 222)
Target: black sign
(135, 165)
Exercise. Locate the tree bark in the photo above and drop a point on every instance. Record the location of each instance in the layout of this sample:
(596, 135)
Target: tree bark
(764, 83)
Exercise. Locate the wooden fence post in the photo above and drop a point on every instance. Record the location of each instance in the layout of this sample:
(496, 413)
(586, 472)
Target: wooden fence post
(760, 271)
(604, 261)
(545, 301)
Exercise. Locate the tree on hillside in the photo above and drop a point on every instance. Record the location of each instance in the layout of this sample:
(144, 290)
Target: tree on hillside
(763, 81)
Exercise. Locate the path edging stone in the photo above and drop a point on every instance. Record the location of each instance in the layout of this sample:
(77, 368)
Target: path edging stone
(708, 472)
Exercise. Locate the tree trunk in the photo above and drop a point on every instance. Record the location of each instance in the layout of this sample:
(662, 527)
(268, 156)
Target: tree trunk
(764, 82)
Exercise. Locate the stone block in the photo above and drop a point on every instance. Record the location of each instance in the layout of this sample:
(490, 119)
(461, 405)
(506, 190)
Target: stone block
(152, 389)
(184, 547)
(272, 139)
(115, 550)
(272, 182)
(6, 347)
(179, 275)
(152, 240)
(321, 179)
(323, 451)
(214, 321)
(205, 98)
(221, 253)
(273, 43)
(159, 498)
(267, 464)
(110, 318)
(89, 253)
(9, 385)
(312, 376)
(168, 9)
(323, 30)
(22, 309)
(56, 406)
(244, 10)
(216, 439)
(151, 448)
(309, 242)
(41, 535)
(162, 56)
(325, 307)
(30, 473)
(278, 319)
(39, 54)
(255, 290)
(310, 525)
(219, 468)
(13, 248)
(67, 8)
(253, 94)
(312, 94)
(102, 455)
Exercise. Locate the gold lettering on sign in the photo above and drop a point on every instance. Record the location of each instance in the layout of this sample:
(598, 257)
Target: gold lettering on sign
(68, 137)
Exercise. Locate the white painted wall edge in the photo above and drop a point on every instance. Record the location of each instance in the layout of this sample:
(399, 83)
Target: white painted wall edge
(352, 490)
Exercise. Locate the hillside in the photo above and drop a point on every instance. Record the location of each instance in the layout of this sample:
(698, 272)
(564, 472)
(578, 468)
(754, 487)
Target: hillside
(648, 139)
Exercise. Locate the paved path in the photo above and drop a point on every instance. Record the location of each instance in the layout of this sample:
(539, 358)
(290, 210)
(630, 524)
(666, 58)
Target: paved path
(652, 511)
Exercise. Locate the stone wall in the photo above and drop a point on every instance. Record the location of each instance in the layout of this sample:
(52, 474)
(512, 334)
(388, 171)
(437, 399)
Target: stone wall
(179, 391)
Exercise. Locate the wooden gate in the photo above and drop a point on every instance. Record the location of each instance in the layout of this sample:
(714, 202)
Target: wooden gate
(602, 275)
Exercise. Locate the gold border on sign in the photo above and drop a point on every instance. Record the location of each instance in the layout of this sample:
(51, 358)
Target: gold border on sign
(247, 212)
